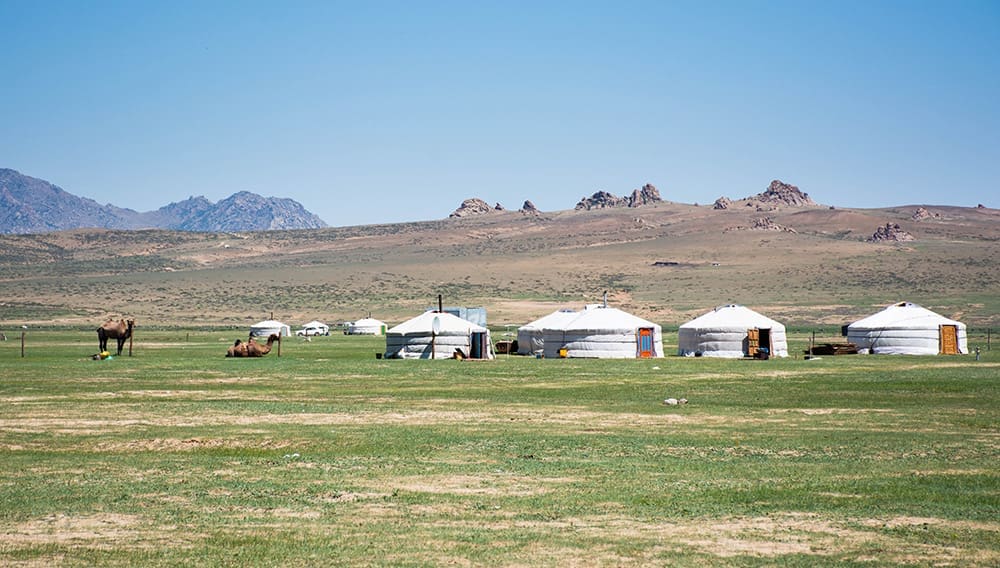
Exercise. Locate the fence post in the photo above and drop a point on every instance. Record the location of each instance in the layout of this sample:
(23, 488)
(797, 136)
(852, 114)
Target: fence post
(22, 343)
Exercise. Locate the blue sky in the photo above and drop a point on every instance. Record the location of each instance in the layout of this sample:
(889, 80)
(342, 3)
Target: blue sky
(370, 112)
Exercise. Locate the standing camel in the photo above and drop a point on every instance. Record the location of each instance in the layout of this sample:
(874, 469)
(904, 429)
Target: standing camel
(251, 348)
(120, 330)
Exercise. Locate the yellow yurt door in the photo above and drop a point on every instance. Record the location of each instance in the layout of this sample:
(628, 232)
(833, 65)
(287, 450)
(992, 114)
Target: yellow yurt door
(949, 339)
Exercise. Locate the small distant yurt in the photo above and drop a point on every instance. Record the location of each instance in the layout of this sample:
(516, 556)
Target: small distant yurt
(731, 331)
(367, 326)
(421, 338)
(604, 333)
(531, 336)
(908, 329)
(268, 327)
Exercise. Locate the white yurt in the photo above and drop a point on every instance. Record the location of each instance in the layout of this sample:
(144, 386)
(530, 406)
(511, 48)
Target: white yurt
(604, 333)
(367, 326)
(531, 336)
(908, 329)
(731, 331)
(421, 338)
(268, 327)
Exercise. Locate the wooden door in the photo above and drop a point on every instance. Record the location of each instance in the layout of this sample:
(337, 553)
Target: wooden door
(645, 342)
(753, 342)
(949, 339)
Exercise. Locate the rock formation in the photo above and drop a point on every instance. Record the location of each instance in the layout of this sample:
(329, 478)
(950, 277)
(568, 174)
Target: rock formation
(647, 195)
(529, 208)
(891, 232)
(922, 213)
(762, 224)
(781, 193)
(600, 200)
(722, 203)
(474, 206)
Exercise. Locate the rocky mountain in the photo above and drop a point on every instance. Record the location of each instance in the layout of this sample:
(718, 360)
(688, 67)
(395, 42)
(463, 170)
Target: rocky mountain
(31, 205)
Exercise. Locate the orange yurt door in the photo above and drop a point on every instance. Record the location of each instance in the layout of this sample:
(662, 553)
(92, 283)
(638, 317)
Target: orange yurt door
(753, 342)
(949, 339)
(645, 342)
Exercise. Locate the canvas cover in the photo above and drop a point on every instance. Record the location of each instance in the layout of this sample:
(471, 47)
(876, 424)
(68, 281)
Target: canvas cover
(268, 327)
(602, 333)
(722, 332)
(366, 326)
(531, 336)
(904, 329)
(414, 338)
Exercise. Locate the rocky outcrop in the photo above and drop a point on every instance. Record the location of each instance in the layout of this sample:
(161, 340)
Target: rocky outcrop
(529, 208)
(781, 193)
(722, 203)
(474, 206)
(922, 213)
(762, 224)
(600, 200)
(891, 233)
(646, 195)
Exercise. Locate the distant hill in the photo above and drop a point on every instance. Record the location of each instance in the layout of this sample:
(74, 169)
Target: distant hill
(31, 205)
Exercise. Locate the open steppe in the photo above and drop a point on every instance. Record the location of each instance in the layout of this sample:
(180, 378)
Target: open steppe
(329, 456)
(519, 267)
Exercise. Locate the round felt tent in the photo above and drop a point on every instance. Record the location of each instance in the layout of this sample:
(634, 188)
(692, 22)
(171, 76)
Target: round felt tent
(531, 336)
(604, 333)
(269, 327)
(731, 331)
(421, 338)
(367, 326)
(908, 329)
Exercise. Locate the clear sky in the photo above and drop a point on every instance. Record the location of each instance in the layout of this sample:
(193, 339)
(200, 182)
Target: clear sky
(371, 111)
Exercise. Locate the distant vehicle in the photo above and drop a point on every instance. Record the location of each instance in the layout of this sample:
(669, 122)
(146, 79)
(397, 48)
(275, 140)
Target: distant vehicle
(314, 328)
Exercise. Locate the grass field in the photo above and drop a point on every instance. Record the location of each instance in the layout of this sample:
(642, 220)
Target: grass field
(179, 456)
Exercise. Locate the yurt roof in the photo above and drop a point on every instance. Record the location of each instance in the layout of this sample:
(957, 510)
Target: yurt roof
(269, 324)
(554, 319)
(732, 315)
(598, 319)
(424, 322)
(904, 315)
(365, 322)
(314, 323)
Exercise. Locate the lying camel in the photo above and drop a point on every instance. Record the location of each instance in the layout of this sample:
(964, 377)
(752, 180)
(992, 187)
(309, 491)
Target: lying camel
(120, 330)
(250, 348)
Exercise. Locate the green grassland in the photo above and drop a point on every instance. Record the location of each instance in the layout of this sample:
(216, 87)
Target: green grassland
(327, 455)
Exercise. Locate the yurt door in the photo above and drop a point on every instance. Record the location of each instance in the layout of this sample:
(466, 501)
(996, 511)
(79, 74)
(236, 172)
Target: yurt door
(645, 342)
(949, 340)
(478, 345)
(753, 342)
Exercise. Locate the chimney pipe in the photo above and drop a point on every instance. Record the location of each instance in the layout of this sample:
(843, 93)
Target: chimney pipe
(440, 305)
(605, 298)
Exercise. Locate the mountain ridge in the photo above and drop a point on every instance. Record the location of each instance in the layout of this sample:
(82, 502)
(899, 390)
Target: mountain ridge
(32, 205)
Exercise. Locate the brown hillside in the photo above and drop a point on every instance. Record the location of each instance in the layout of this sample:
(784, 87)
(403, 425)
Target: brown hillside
(518, 266)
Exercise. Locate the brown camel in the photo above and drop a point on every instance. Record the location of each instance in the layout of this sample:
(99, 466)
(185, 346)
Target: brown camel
(250, 348)
(120, 330)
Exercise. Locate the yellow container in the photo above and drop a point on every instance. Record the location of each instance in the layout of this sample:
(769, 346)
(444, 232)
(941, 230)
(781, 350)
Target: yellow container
(563, 352)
